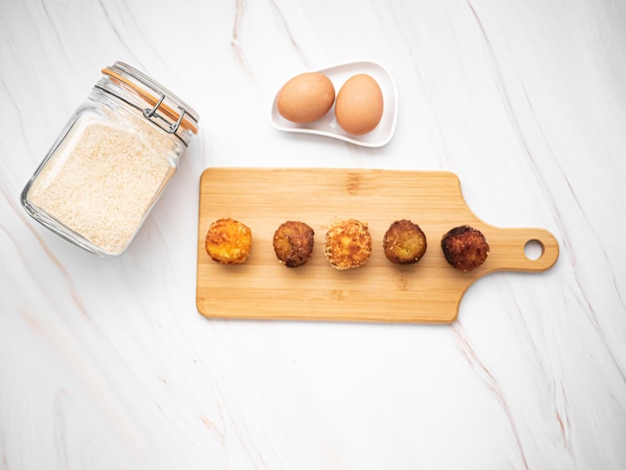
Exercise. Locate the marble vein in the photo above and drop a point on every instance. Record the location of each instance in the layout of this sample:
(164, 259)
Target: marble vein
(17, 114)
(240, 57)
(60, 428)
(563, 415)
(559, 401)
(574, 197)
(564, 233)
(490, 381)
(292, 41)
(119, 36)
(417, 70)
(57, 37)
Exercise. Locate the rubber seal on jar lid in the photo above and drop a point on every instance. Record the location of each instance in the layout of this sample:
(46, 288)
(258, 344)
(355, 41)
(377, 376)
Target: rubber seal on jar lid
(156, 102)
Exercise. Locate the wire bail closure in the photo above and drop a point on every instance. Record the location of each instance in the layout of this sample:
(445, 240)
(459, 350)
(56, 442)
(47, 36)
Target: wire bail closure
(164, 109)
(148, 113)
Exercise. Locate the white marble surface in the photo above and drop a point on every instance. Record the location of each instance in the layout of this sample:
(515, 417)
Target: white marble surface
(106, 364)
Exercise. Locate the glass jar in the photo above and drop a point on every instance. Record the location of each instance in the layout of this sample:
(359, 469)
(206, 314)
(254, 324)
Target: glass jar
(111, 162)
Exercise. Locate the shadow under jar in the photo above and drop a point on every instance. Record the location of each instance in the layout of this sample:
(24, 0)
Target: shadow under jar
(111, 162)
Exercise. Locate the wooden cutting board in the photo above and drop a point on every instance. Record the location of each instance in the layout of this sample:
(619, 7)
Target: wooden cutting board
(428, 291)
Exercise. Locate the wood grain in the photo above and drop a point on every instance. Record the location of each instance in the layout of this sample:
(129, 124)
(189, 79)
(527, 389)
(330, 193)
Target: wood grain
(428, 291)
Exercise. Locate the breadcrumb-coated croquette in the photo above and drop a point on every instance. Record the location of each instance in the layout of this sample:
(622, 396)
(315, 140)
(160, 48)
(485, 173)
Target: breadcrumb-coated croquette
(404, 242)
(348, 244)
(228, 241)
(293, 243)
(465, 248)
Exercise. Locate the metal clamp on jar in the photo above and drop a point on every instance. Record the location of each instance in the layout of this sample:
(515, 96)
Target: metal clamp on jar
(111, 162)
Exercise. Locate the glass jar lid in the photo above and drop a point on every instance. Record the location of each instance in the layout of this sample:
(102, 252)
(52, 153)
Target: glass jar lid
(157, 104)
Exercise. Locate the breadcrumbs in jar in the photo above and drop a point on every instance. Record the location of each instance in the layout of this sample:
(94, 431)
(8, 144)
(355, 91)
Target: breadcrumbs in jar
(111, 163)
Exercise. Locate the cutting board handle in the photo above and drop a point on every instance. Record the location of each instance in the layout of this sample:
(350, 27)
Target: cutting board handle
(512, 256)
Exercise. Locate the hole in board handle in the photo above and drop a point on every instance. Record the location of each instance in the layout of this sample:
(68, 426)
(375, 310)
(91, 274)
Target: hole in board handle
(534, 249)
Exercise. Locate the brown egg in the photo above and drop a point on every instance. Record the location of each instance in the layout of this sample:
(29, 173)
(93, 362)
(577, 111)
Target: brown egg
(306, 97)
(359, 105)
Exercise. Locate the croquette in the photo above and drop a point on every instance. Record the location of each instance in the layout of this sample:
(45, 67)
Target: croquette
(465, 248)
(228, 241)
(293, 243)
(348, 244)
(404, 242)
